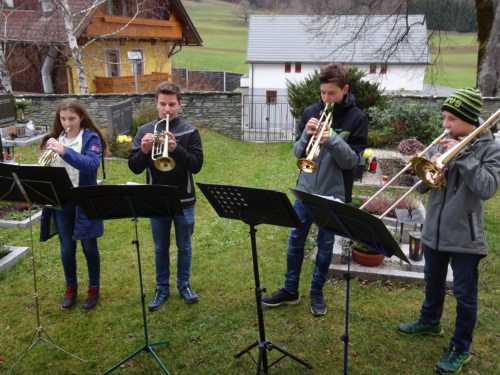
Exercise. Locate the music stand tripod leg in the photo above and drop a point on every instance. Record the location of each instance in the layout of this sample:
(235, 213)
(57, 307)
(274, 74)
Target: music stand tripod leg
(37, 335)
(263, 344)
(147, 347)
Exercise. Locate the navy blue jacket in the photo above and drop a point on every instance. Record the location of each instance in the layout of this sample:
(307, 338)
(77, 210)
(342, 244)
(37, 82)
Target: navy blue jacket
(87, 162)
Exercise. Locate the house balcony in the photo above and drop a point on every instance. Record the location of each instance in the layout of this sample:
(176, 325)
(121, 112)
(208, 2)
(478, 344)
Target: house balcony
(124, 84)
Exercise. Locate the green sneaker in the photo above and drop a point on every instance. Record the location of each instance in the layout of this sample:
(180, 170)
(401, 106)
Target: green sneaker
(452, 361)
(419, 328)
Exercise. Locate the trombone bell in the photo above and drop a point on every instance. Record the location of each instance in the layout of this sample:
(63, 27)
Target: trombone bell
(428, 173)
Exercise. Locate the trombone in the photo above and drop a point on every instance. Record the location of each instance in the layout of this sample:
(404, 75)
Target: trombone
(313, 148)
(430, 172)
(159, 153)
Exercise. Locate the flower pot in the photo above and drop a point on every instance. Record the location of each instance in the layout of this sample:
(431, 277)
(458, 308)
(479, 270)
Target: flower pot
(367, 260)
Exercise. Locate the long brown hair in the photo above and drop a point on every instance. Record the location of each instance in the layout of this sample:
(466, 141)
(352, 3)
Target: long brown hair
(74, 105)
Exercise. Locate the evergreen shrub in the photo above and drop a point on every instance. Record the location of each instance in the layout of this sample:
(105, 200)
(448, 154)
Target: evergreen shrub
(145, 114)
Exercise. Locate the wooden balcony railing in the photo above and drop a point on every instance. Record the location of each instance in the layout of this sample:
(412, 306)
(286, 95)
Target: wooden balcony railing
(147, 83)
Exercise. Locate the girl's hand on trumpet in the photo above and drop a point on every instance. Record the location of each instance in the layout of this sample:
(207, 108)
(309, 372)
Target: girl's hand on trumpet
(54, 145)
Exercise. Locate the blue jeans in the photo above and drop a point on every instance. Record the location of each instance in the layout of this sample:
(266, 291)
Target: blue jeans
(160, 227)
(65, 224)
(465, 286)
(295, 255)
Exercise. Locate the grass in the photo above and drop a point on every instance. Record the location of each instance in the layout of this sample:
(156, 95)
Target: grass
(225, 39)
(203, 338)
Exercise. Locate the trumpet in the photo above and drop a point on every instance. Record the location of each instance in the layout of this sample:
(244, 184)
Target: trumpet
(431, 172)
(313, 148)
(159, 153)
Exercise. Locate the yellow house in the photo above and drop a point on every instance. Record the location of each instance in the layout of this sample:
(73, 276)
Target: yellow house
(113, 38)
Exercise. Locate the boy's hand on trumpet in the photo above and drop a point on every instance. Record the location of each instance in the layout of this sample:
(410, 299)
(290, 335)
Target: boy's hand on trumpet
(312, 128)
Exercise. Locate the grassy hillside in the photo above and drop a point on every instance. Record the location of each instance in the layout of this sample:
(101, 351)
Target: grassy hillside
(456, 59)
(225, 39)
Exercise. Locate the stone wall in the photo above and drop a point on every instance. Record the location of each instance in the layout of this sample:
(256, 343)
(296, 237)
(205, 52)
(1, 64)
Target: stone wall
(220, 111)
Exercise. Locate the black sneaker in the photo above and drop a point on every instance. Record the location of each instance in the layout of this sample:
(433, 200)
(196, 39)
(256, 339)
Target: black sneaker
(69, 297)
(160, 297)
(318, 305)
(280, 297)
(188, 294)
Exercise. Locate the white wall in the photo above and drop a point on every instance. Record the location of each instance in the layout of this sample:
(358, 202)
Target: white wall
(273, 77)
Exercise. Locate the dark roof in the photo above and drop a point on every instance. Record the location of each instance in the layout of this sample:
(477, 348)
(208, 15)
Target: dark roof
(32, 27)
(346, 39)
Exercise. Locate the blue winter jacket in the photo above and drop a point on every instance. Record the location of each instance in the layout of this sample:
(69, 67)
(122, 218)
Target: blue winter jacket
(87, 162)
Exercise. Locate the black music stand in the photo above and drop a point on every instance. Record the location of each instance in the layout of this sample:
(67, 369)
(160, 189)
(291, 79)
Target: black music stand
(32, 184)
(353, 223)
(131, 201)
(254, 207)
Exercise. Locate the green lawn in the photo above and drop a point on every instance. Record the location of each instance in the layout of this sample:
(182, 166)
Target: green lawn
(203, 338)
(225, 38)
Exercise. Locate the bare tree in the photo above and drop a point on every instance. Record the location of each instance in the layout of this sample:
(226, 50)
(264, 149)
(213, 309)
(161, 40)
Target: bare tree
(488, 63)
(488, 22)
(243, 10)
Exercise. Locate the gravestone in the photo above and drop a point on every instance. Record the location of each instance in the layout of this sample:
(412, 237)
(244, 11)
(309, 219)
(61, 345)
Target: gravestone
(120, 117)
(8, 112)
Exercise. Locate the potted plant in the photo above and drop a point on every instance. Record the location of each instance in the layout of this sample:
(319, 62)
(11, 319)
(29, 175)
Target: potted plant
(364, 255)
(21, 105)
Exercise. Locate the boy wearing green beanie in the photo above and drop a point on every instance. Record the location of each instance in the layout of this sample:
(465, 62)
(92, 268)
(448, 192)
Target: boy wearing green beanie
(453, 231)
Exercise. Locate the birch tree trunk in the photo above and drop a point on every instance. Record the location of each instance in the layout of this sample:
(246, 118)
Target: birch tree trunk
(4, 72)
(75, 49)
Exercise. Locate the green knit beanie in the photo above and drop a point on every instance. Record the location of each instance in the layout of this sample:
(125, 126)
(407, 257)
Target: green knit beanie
(465, 104)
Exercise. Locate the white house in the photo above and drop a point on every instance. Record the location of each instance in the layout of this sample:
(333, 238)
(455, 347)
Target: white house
(391, 49)
(292, 47)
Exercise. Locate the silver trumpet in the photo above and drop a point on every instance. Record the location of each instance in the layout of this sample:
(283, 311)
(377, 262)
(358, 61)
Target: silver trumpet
(159, 153)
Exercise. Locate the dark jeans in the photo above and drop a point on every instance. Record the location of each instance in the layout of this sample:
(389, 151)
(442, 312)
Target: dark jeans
(295, 255)
(160, 227)
(465, 286)
(65, 223)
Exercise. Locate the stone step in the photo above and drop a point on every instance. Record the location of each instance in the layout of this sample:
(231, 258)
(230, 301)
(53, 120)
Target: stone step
(391, 268)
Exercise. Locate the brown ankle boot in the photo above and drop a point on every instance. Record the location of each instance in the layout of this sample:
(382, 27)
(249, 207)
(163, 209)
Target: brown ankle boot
(92, 298)
(69, 297)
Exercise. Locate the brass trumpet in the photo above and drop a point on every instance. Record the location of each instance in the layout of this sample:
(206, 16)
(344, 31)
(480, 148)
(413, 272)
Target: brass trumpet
(431, 172)
(313, 148)
(159, 153)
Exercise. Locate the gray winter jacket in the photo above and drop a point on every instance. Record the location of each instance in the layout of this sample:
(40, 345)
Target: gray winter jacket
(340, 152)
(454, 217)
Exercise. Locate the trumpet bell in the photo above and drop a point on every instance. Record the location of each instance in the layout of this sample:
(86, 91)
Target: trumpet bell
(164, 163)
(306, 165)
(428, 173)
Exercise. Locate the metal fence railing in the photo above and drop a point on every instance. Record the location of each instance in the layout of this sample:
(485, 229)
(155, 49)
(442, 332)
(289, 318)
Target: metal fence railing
(267, 122)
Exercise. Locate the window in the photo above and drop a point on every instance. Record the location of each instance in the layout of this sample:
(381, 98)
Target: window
(288, 67)
(383, 69)
(373, 68)
(113, 63)
(271, 97)
(298, 67)
(140, 64)
(118, 8)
